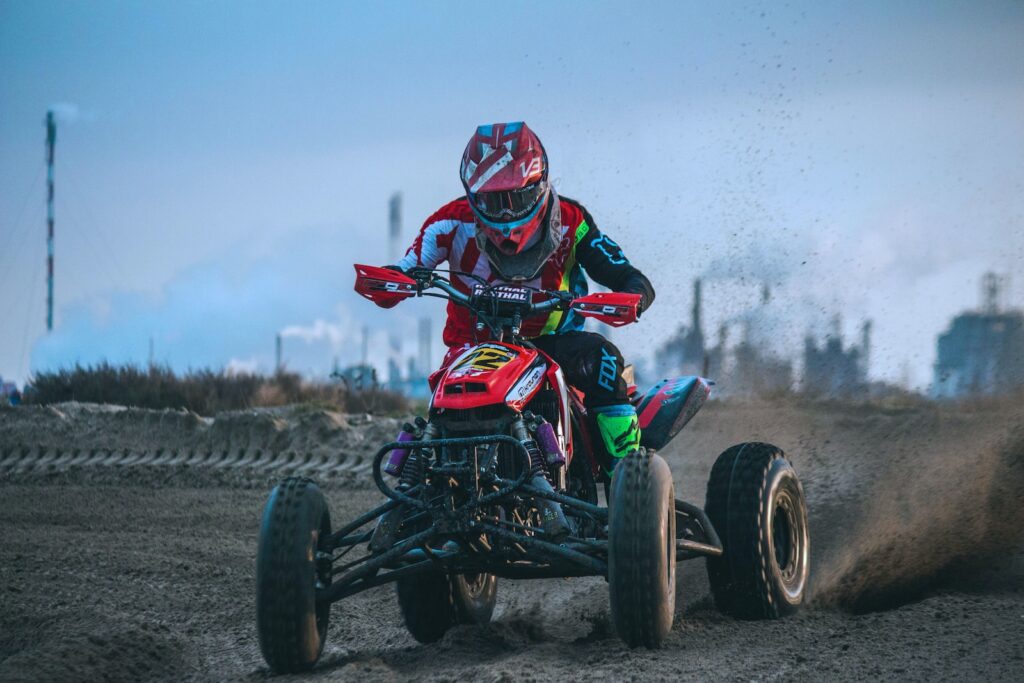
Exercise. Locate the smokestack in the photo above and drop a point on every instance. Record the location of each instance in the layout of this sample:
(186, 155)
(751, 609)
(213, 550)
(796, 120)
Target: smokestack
(991, 293)
(394, 227)
(865, 346)
(837, 327)
(424, 347)
(394, 254)
(277, 353)
(394, 358)
(695, 314)
(51, 143)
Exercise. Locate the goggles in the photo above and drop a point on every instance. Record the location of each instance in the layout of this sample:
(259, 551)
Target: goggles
(508, 205)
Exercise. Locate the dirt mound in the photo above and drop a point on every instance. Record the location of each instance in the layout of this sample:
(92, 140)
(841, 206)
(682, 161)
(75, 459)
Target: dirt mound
(936, 518)
(68, 436)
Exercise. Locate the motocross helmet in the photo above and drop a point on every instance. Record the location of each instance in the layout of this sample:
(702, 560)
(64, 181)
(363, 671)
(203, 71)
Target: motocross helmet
(505, 172)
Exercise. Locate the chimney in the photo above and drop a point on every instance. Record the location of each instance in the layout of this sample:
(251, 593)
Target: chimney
(695, 323)
(394, 227)
(865, 346)
(277, 354)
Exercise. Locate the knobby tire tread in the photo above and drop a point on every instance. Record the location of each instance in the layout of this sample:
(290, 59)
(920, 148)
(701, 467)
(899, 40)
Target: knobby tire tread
(740, 578)
(283, 599)
(636, 580)
(427, 603)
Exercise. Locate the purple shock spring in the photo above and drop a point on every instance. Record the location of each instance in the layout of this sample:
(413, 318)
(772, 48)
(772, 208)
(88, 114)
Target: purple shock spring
(548, 443)
(396, 461)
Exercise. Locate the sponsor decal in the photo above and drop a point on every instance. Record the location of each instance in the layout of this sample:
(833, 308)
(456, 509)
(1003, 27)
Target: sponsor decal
(610, 249)
(505, 293)
(606, 376)
(532, 169)
(484, 358)
(527, 384)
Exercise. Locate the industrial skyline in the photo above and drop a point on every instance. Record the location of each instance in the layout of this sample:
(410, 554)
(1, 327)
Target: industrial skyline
(981, 352)
(221, 168)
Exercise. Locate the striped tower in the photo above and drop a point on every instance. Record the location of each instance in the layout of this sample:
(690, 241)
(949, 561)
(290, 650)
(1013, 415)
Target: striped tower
(51, 142)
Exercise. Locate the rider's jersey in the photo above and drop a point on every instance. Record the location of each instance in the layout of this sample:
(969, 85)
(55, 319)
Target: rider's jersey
(450, 235)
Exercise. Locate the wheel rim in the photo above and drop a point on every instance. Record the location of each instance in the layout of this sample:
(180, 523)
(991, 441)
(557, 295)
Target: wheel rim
(783, 536)
(475, 583)
(789, 542)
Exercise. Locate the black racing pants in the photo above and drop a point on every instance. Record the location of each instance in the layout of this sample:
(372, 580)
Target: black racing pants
(590, 363)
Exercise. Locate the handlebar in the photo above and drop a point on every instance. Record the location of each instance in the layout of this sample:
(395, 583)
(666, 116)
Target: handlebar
(446, 287)
(427, 278)
(498, 306)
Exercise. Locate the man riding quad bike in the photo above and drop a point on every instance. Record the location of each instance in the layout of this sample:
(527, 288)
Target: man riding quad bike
(529, 416)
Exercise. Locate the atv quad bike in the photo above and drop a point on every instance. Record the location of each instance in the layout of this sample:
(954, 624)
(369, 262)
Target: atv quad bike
(502, 480)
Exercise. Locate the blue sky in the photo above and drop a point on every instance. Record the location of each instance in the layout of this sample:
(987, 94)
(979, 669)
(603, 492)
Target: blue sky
(221, 165)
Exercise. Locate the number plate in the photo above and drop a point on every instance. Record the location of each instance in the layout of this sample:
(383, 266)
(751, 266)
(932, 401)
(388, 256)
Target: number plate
(484, 358)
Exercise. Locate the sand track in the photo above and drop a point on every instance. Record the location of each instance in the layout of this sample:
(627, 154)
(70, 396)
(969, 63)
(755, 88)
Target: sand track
(128, 540)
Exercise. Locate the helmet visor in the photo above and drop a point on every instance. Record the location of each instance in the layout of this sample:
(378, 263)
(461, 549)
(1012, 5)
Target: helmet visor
(508, 205)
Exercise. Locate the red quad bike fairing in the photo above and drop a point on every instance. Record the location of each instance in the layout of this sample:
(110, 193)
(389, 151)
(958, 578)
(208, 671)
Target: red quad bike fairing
(486, 374)
(487, 486)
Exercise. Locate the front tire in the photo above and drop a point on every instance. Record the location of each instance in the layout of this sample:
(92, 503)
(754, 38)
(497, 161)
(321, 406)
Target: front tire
(432, 603)
(756, 504)
(642, 549)
(292, 626)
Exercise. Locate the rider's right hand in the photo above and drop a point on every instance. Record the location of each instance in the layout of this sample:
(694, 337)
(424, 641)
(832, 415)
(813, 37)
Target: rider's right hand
(421, 275)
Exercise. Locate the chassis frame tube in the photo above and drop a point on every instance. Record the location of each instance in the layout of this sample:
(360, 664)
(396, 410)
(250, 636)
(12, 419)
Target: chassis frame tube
(712, 548)
(374, 564)
(404, 497)
(510, 570)
(596, 511)
(365, 575)
(596, 566)
(338, 536)
(345, 589)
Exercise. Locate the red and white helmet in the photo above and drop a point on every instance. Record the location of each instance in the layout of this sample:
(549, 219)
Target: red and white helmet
(505, 173)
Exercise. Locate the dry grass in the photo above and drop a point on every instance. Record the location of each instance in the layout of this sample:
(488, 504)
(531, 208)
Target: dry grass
(202, 391)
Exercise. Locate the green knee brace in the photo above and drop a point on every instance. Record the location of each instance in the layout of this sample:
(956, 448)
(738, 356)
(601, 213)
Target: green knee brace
(620, 430)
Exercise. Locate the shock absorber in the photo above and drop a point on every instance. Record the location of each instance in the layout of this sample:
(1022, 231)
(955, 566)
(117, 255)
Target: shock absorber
(552, 518)
(396, 460)
(554, 457)
(415, 467)
(536, 458)
(413, 472)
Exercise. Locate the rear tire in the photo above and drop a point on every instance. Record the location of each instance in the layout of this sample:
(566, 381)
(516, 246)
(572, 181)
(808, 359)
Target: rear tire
(642, 549)
(756, 504)
(433, 603)
(291, 625)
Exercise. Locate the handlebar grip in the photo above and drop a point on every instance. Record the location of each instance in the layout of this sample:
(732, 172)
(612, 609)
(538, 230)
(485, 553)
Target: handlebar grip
(451, 291)
(549, 305)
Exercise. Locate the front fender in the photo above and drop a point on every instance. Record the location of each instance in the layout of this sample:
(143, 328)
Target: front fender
(666, 408)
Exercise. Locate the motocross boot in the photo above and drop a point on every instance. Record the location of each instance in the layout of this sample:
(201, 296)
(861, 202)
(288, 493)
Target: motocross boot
(620, 431)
